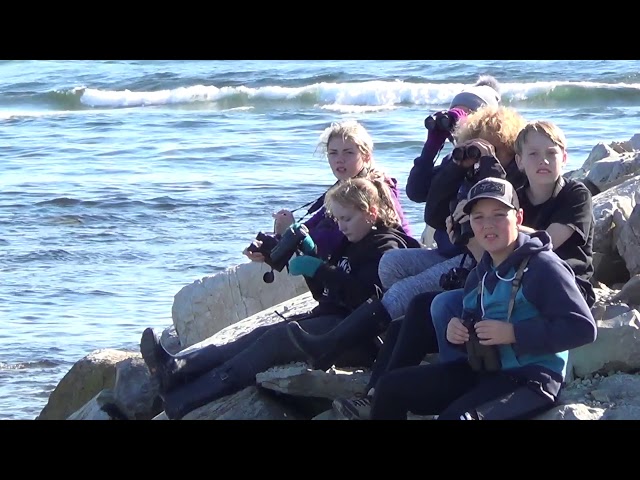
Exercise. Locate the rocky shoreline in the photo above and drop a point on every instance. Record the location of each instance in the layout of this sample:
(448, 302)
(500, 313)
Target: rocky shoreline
(604, 377)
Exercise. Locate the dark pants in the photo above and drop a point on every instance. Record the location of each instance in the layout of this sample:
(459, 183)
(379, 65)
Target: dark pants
(455, 392)
(215, 374)
(408, 339)
(274, 341)
(270, 345)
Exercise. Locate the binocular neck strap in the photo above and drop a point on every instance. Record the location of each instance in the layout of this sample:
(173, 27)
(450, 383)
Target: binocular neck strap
(515, 286)
(315, 206)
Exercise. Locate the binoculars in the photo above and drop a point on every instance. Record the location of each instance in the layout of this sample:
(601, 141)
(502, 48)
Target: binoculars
(470, 151)
(441, 120)
(454, 278)
(277, 253)
(481, 358)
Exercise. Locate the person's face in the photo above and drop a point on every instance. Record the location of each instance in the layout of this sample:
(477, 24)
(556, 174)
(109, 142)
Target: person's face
(345, 158)
(541, 159)
(504, 153)
(495, 226)
(352, 222)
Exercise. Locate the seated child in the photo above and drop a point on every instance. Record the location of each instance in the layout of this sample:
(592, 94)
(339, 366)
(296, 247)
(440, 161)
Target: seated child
(518, 325)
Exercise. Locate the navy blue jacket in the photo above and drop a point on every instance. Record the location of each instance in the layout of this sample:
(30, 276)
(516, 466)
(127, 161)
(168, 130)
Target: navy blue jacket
(550, 315)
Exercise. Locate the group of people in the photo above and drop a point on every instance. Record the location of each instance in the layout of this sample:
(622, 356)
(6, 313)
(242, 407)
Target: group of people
(514, 239)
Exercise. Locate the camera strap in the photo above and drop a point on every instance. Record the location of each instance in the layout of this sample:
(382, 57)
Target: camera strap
(315, 206)
(515, 285)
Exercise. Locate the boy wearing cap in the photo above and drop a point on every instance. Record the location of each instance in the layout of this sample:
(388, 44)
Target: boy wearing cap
(531, 340)
(549, 202)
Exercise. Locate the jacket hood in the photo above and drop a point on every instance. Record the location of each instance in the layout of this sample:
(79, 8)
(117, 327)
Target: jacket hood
(526, 245)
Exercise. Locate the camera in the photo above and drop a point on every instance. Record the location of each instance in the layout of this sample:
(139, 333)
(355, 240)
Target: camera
(481, 358)
(454, 278)
(440, 120)
(484, 167)
(277, 253)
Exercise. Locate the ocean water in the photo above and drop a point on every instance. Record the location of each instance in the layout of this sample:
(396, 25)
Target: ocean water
(124, 181)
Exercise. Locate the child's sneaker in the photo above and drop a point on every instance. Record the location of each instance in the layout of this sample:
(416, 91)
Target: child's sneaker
(356, 408)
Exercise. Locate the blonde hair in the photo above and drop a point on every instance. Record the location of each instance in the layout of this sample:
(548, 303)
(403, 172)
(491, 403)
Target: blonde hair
(347, 130)
(543, 127)
(502, 123)
(362, 193)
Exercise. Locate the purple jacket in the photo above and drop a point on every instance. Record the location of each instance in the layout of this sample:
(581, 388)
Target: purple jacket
(328, 237)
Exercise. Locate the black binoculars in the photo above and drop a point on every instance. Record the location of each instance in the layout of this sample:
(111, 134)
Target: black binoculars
(470, 151)
(277, 253)
(441, 120)
(454, 278)
(481, 358)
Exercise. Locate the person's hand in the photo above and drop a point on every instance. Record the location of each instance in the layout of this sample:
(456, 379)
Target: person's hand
(495, 332)
(457, 333)
(283, 220)
(457, 114)
(304, 265)
(486, 150)
(254, 256)
(449, 225)
(308, 246)
(458, 214)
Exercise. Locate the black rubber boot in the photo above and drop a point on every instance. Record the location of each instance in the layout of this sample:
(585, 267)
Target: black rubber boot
(205, 389)
(273, 347)
(363, 324)
(171, 371)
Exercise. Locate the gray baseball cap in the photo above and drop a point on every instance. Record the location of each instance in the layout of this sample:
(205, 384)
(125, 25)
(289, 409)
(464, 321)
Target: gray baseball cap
(495, 188)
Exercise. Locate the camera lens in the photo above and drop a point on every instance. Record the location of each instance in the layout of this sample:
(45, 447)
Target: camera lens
(429, 123)
(473, 152)
(444, 122)
(458, 154)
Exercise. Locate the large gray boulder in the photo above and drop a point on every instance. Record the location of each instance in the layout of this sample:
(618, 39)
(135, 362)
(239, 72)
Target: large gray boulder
(212, 303)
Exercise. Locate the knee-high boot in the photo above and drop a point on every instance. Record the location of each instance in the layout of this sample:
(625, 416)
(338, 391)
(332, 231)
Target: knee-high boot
(364, 323)
(200, 391)
(171, 371)
(274, 347)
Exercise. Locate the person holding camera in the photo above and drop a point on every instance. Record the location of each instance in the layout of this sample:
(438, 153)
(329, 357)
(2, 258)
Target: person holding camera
(365, 214)
(550, 202)
(348, 147)
(522, 313)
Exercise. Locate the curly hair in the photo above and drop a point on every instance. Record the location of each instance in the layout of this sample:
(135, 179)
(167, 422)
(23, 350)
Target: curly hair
(502, 123)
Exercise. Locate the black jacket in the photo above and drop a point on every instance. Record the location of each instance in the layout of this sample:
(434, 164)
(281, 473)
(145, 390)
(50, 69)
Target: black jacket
(350, 276)
(445, 185)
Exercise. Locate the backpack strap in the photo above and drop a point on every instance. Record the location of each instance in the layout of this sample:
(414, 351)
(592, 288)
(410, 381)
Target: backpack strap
(515, 285)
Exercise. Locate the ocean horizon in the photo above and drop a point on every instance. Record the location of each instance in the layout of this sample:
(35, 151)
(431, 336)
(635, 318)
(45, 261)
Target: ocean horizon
(126, 180)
